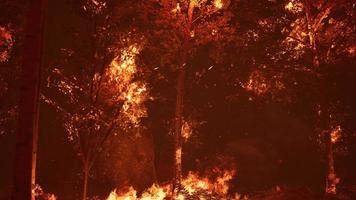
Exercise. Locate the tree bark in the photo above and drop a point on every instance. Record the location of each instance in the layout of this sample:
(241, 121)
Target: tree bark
(27, 134)
(178, 118)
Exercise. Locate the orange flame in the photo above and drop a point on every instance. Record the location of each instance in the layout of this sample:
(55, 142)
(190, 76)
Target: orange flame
(192, 184)
(120, 76)
(335, 134)
(218, 4)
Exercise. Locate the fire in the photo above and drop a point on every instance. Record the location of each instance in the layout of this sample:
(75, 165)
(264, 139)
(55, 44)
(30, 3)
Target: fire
(257, 83)
(129, 195)
(37, 191)
(187, 130)
(123, 67)
(193, 186)
(154, 192)
(294, 6)
(176, 9)
(335, 134)
(6, 43)
(121, 84)
(218, 4)
(178, 155)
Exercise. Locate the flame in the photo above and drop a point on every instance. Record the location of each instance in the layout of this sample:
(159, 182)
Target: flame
(257, 83)
(294, 6)
(192, 184)
(218, 4)
(178, 155)
(37, 191)
(123, 67)
(154, 192)
(176, 9)
(6, 43)
(335, 134)
(121, 74)
(128, 195)
(187, 130)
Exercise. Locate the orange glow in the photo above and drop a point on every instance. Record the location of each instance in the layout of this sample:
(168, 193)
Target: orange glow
(38, 192)
(335, 134)
(192, 184)
(187, 130)
(257, 83)
(6, 43)
(218, 4)
(294, 6)
(177, 8)
(120, 75)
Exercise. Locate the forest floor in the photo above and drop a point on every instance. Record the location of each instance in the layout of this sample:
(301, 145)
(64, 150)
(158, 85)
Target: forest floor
(344, 193)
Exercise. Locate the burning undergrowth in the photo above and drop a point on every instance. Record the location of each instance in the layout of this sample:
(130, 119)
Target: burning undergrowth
(215, 185)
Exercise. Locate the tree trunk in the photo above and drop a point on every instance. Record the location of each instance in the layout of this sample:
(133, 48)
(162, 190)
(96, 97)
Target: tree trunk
(177, 176)
(85, 180)
(313, 24)
(178, 118)
(27, 134)
(331, 179)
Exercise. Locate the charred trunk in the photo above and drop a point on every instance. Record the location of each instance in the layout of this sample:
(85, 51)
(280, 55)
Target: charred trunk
(27, 134)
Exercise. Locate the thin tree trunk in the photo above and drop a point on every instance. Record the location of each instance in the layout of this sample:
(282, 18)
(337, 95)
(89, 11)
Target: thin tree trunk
(178, 128)
(85, 180)
(313, 25)
(178, 118)
(331, 179)
(27, 134)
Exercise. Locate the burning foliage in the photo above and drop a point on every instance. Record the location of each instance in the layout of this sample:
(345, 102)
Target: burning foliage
(6, 43)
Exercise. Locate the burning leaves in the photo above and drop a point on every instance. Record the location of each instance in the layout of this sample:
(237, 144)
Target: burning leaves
(335, 134)
(260, 84)
(294, 6)
(95, 6)
(40, 194)
(121, 85)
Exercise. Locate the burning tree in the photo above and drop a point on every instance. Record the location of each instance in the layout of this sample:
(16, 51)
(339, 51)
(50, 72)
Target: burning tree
(101, 95)
(324, 33)
(182, 27)
(99, 106)
(317, 35)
